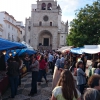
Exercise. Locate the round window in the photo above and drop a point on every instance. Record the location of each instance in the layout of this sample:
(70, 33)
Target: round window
(45, 18)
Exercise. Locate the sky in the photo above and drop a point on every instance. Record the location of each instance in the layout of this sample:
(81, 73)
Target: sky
(21, 9)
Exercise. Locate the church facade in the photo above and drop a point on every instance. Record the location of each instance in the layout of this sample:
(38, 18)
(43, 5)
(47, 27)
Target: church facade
(45, 29)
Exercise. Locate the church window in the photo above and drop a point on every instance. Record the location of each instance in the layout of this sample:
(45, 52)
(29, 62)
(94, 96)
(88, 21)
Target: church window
(8, 36)
(40, 23)
(21, 32)
(45, 18)
(43, 6)
(29, 22)
(8, 25)
(29, 28)
(49, 6)
(12, 38)
(50, 23)
(29, 41)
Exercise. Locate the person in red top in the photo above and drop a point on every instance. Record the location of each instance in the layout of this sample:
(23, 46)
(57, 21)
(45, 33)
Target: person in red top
(42, 69)
(38, 56)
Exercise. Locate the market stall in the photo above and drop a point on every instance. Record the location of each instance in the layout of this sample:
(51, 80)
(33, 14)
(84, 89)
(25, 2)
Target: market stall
(76, 50)
(65, 49)
(23, 51)
(27, 45)
(89, 49)
(20, 53)
(92, 52)
(6, 45)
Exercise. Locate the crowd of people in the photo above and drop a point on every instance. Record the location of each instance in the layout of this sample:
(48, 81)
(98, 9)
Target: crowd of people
(70, 81)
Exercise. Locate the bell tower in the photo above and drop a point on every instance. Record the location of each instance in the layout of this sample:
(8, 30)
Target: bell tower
(46, 5)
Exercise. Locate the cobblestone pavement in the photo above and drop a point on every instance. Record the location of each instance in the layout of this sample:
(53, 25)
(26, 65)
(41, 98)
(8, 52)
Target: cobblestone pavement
(44, 90)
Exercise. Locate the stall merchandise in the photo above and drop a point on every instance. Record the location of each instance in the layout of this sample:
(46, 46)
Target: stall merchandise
(23, 71)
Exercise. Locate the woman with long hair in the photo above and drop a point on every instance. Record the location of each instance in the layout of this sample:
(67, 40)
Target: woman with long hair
(65, 89)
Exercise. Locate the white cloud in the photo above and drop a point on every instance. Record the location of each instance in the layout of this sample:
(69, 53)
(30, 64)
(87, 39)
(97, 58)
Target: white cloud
(68, 8)
(21, 9)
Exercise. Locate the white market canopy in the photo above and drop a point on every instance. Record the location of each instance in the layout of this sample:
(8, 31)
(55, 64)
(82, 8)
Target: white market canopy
(90, 49)
(64, 49)
(28, 46)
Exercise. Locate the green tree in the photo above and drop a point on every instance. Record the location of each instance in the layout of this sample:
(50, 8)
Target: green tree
(85, 28)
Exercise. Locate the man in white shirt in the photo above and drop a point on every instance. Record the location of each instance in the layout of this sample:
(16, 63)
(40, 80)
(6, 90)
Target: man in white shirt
(50, 60)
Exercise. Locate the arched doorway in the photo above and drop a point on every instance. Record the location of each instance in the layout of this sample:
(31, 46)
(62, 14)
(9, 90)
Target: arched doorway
(45, 38)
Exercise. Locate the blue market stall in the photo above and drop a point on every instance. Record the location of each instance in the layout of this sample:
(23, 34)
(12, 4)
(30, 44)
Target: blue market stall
(76, 50)
(19, 52)
(29, 52)
(6, 45)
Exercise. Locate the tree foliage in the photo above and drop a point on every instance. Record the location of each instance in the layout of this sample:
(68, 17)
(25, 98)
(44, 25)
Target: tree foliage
(85, 28)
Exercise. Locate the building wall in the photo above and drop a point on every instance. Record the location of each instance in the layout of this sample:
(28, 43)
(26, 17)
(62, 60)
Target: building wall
(62, 39)
(38, 17)
(3, 24)
(54, 4)
(63, 27)
(1, 31)
(37, 32)
(22, 37)
(22, 31)
(27, 30)
(11, 31)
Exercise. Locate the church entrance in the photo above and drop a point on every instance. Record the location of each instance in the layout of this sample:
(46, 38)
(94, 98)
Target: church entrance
(46, 42)
(45, 39)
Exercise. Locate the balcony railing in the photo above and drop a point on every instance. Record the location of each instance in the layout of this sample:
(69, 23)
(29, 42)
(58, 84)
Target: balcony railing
(44, 25)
